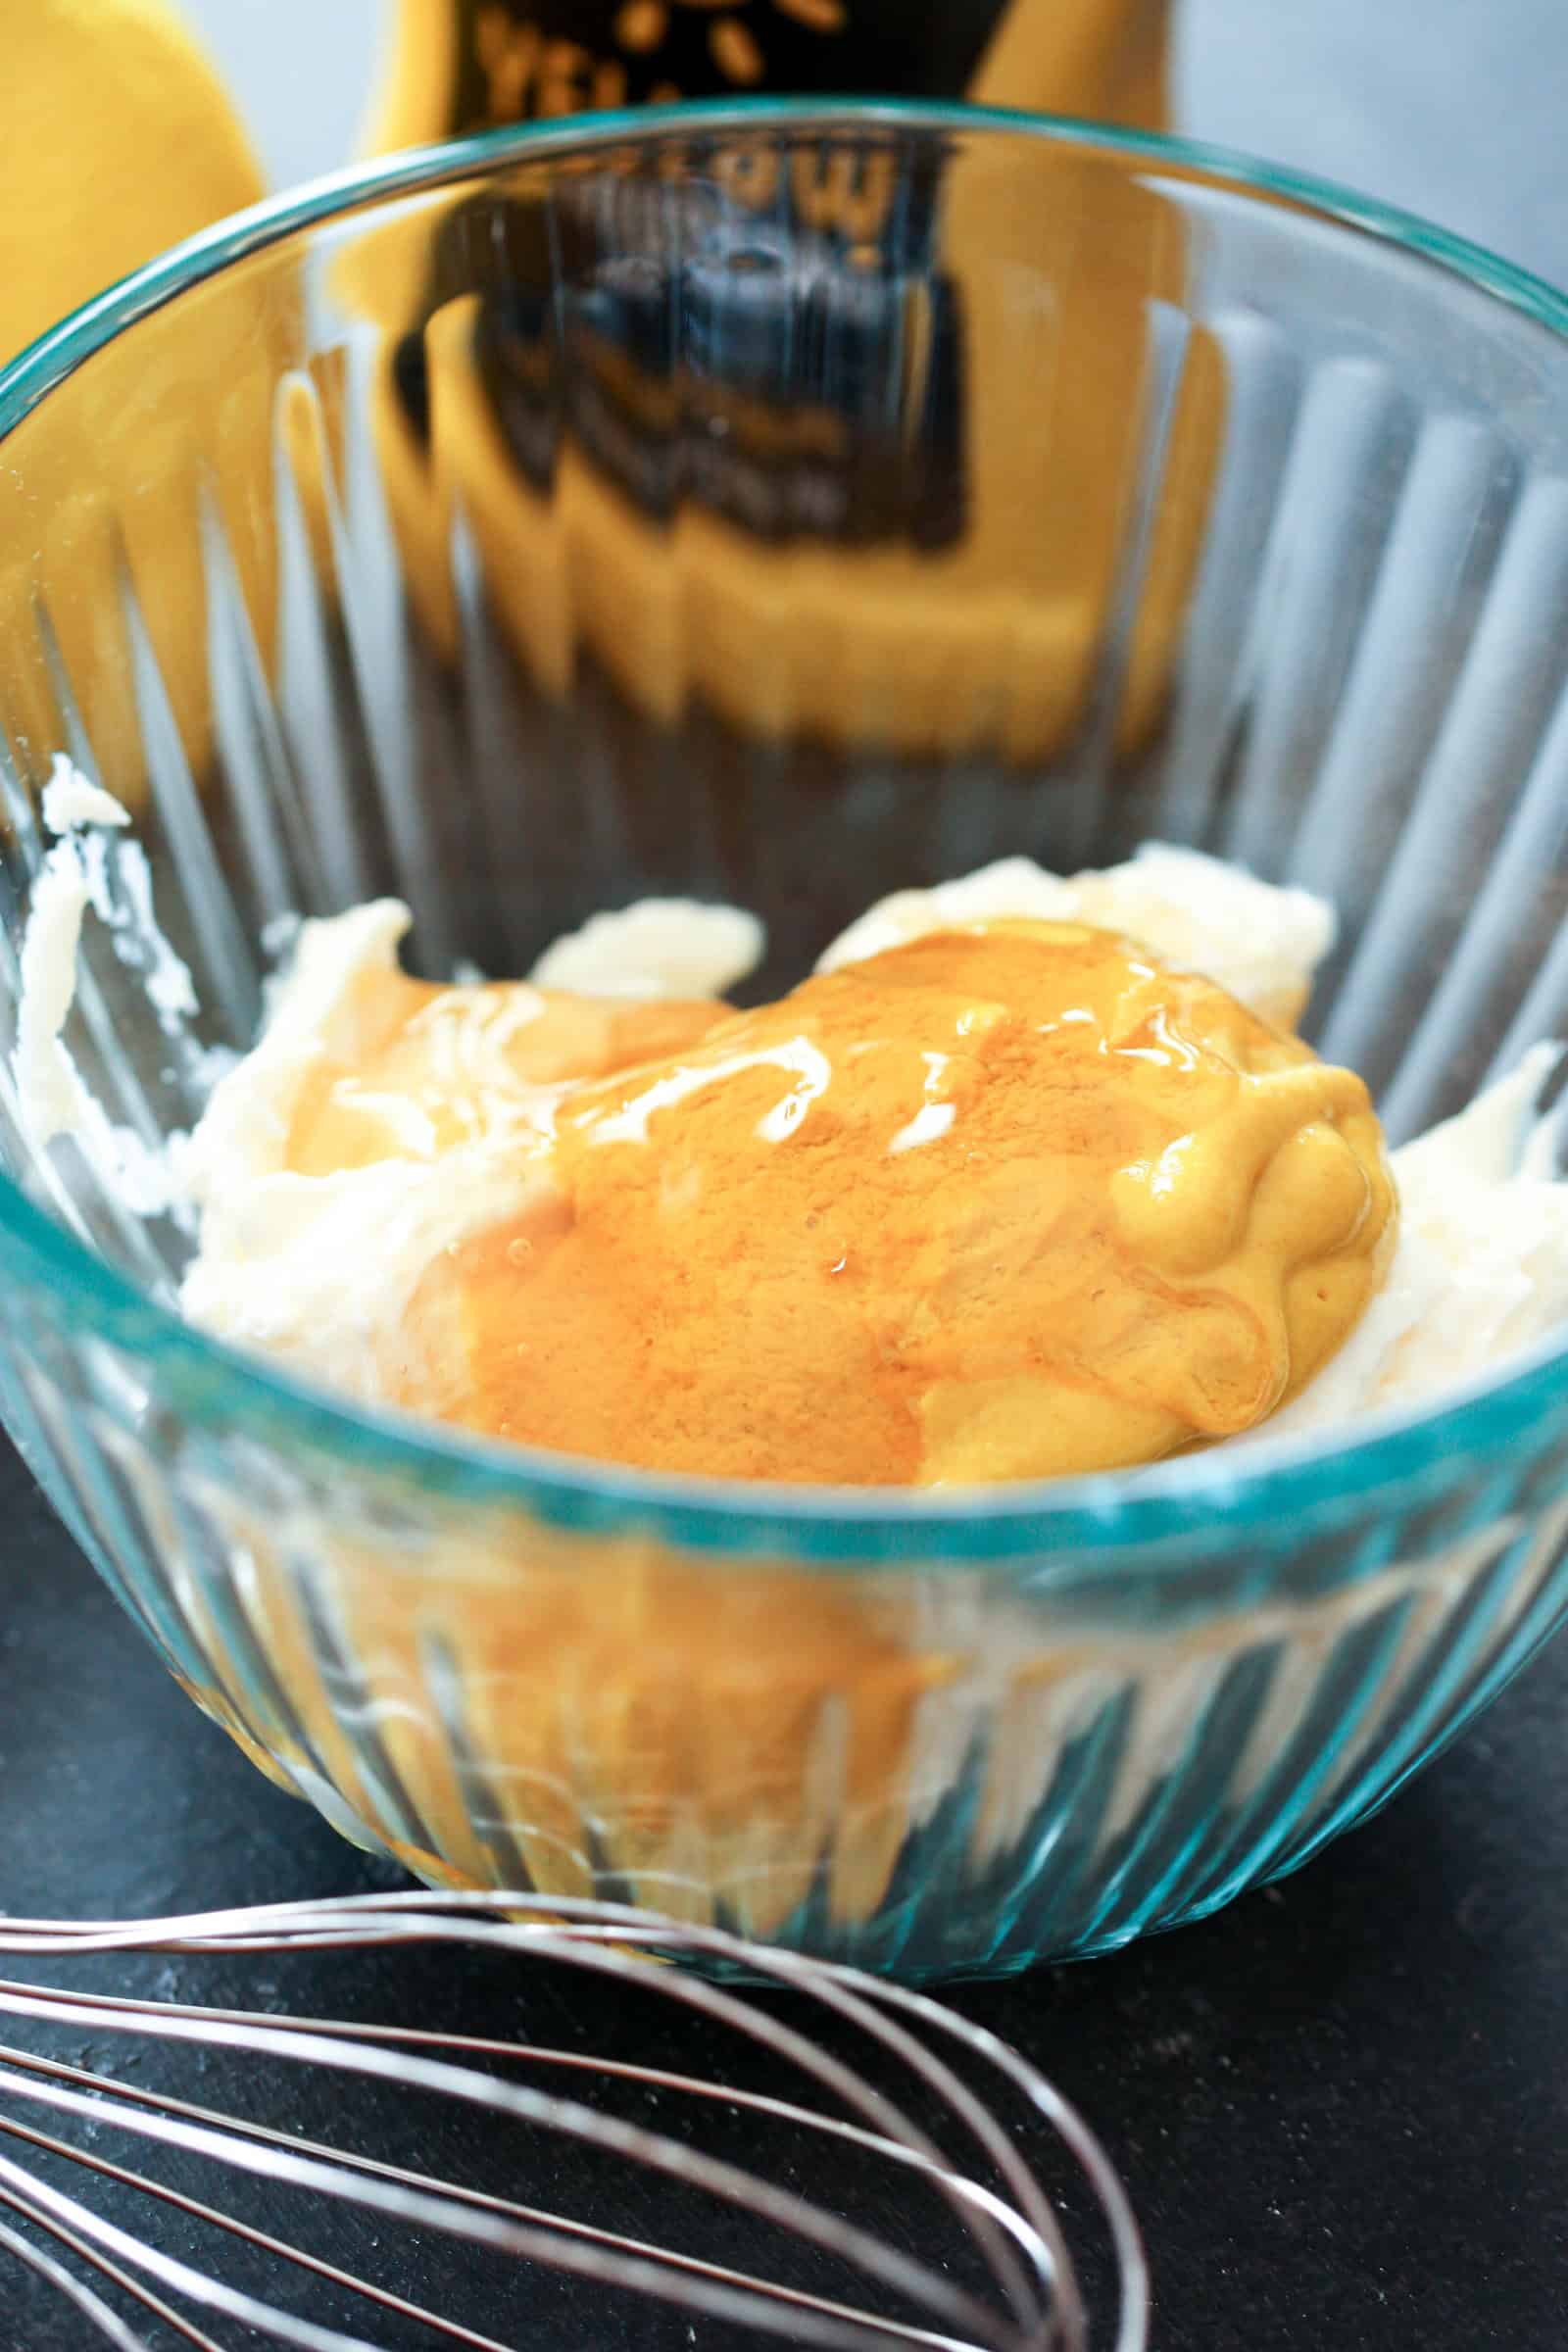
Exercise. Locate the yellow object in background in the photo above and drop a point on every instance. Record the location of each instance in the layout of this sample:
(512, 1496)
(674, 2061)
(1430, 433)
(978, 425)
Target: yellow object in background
(119, 140)
(982, 635)
(455, 66)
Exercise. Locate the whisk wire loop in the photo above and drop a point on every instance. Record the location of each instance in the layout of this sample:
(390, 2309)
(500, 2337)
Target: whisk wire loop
(1012, 2228)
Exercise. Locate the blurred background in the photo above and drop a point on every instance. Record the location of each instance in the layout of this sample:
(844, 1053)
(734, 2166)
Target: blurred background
(1453, 108)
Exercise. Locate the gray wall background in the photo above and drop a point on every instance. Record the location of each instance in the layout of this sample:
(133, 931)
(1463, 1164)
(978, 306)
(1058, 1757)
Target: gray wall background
(1457, 109)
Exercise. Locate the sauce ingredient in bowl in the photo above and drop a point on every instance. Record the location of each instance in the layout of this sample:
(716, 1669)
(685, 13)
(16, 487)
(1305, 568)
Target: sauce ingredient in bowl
(1001, 1203)
(1007, 1188)
(984, 1199)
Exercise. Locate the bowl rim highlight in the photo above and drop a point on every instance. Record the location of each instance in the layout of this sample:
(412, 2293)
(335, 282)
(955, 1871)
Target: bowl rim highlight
(1267, 1486)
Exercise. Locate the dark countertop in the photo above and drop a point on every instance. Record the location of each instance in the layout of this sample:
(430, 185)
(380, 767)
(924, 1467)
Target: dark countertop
(1341, 2107)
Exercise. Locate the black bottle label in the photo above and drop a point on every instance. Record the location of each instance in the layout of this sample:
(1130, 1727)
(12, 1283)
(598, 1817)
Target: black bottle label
(792, 361)
(556, 57)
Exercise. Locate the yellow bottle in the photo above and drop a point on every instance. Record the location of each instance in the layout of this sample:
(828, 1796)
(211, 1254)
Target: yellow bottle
(460, 64)
(118, 141)
(929, 632)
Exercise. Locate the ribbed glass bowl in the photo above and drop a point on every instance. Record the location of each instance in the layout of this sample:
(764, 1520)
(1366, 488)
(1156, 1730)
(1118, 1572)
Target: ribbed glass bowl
(785, 507)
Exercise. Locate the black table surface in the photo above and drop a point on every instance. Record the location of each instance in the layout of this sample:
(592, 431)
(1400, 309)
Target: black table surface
(1340, 2107)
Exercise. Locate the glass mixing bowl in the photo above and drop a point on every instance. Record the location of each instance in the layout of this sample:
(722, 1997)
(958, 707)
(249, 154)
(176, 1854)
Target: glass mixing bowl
(785, 506)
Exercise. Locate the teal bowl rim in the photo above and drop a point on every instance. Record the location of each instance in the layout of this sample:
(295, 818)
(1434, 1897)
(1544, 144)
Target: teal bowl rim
(1261, 1489)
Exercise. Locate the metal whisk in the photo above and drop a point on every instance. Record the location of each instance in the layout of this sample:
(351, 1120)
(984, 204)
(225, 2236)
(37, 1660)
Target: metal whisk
(1001, 2281)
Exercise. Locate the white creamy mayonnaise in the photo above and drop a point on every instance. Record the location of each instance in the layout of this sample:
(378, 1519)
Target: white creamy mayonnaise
(1261, 942)
(656, 948)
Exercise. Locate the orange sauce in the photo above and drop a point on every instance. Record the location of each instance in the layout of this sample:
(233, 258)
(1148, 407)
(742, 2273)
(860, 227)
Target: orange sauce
(411, 1068)
(1009, 1201)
